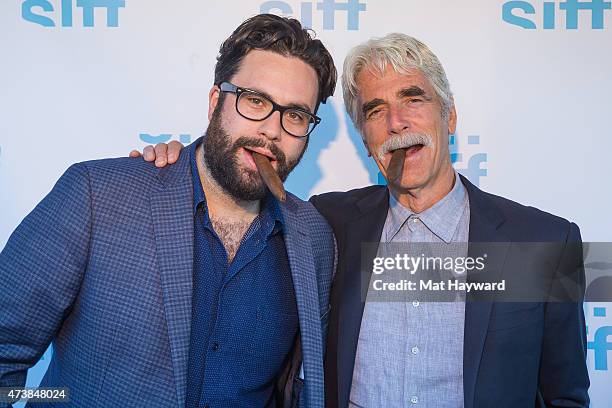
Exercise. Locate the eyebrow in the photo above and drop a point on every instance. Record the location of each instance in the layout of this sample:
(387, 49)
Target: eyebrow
(371, 105)
(412, 91)
(300, 106)
(402, 93)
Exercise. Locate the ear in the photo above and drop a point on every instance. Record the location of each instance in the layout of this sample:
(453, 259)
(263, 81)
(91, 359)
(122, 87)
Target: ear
(213, 100)
(452, 120)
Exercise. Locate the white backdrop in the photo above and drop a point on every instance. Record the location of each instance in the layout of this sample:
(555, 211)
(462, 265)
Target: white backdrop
(532, 83)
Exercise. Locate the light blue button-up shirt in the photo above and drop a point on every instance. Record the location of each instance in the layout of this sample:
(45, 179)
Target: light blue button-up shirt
(410, 354)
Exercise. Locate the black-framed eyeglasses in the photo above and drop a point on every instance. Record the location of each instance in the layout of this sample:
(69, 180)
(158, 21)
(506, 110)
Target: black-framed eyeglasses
(253, 105)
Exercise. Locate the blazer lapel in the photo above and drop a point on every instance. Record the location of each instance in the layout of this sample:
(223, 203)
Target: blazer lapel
(301, 261)
(351, 286)
(484, 237)
(172, 214)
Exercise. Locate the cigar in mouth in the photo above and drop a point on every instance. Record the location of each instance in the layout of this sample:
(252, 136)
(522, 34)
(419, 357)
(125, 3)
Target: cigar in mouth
(396, 165)
(269, 176)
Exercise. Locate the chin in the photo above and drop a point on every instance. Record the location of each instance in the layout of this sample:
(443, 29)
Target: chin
(411, 182)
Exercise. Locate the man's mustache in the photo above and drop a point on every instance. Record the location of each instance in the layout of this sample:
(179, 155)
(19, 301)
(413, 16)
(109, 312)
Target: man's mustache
(404, 141)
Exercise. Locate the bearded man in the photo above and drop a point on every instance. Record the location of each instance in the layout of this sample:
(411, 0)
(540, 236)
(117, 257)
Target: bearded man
(188, 286)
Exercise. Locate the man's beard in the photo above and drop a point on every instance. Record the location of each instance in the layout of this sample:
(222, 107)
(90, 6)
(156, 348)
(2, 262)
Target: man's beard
(220, 157)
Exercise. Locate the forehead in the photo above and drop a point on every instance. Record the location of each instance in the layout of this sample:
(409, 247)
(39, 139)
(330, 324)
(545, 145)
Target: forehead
(288, 80)
(371, 84)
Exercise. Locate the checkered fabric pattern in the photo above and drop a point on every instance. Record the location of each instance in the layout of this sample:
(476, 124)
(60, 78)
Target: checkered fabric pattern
(102, 268)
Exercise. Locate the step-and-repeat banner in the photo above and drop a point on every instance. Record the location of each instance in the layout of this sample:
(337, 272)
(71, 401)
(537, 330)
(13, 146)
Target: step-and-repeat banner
(532, 79)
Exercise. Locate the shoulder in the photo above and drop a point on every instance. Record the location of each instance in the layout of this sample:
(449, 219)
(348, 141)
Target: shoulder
(100, 177)
(526, 222)
(336, 199)
(134, 175)
(123, 183)
(119, 170)
(337, 205)
(307, 213)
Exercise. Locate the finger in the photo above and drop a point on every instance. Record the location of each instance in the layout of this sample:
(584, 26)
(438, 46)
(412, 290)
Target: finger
(161, 154)
(148, 153)
(174, 149)
(134, 153)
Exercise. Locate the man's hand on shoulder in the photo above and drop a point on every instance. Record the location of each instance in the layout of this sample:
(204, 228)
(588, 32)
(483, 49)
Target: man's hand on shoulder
(162, 153)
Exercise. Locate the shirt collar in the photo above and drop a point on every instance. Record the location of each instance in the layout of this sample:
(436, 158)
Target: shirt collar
(270, 214)
(442, 218)
(198, 192)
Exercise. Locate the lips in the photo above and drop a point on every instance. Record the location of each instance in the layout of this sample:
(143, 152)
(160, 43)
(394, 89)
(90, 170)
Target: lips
(249, 156)
(262, 151)
(413, 150)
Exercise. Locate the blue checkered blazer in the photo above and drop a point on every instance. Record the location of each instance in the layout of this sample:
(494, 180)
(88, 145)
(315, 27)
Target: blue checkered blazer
(102, 268)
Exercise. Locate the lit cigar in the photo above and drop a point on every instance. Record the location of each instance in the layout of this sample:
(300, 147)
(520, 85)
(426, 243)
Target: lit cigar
(269, 176)
(396, 166)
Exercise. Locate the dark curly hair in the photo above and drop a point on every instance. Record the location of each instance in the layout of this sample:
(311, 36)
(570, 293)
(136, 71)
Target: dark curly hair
(282, 35)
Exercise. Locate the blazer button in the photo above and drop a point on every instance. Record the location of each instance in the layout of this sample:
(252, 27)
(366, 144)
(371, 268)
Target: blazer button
(215, 346)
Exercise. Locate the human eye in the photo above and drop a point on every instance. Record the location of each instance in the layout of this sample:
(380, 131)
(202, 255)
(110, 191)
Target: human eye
(297, 117)
(255, 101)
(373, 114)
(414, 100)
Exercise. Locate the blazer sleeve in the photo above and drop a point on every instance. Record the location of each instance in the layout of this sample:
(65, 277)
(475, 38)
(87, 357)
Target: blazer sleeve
(41, 268)
(564, 379)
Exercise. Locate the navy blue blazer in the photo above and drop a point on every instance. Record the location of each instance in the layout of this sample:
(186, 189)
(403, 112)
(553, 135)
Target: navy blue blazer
(103, 268)
(516, 354)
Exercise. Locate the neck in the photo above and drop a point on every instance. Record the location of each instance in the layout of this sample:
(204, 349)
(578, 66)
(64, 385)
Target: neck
(421, 198)
(220, 204)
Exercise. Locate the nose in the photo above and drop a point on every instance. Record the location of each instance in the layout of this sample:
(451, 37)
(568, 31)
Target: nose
(397, 120)
(271, 127)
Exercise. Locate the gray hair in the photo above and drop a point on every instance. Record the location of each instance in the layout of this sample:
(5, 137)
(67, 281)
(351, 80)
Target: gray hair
(403, 53)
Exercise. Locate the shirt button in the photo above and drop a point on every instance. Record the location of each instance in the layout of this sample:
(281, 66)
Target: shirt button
(415, 220)
(415, 350)
(415, 303)
(215, 346)
(414, 399)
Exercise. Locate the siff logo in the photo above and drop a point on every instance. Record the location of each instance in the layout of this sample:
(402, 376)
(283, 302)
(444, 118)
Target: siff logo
(571, 8)
(472, 171)
(184, 138)
(601, 344)
(88, 6)
(328, 7)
